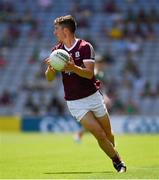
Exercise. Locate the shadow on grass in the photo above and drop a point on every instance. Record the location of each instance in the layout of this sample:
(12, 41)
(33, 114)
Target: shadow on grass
(89, 172)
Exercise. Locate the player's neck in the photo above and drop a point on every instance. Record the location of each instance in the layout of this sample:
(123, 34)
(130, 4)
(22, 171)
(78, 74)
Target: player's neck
(69, 42)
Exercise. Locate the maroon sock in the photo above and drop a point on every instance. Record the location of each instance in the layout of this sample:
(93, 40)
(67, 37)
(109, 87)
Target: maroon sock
(116, 159)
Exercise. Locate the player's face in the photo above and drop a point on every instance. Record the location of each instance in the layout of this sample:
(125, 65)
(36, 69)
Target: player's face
(59, 32)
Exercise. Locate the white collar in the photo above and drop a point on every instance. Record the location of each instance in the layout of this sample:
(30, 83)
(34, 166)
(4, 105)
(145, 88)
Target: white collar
(69, 49)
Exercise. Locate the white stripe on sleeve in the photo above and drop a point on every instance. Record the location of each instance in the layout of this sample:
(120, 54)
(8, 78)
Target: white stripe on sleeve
(88, 60)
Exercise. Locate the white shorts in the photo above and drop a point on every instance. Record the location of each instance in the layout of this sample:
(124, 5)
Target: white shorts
(94, 103)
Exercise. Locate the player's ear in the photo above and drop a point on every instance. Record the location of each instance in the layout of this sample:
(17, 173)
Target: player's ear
(66, 30)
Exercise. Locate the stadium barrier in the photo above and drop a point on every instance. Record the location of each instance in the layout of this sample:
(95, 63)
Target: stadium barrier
(10, 123)
(50, 124)
(135, 124)
(120, 124)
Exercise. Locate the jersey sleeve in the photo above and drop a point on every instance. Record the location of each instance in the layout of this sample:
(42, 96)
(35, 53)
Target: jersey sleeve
(89, 53)
(57, 46)
(54, 48)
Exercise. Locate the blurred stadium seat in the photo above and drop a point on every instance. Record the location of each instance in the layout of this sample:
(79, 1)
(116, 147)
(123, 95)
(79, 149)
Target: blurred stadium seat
(126, 30)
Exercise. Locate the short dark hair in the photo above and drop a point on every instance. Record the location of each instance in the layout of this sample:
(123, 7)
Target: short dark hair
(67, 21)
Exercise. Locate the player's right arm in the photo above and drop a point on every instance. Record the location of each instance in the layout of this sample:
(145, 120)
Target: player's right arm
(50, 72)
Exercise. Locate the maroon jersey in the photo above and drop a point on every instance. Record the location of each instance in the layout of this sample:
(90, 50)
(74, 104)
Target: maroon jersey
(75, 86)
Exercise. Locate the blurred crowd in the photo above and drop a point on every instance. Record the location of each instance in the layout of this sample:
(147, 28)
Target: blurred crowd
(124, 31)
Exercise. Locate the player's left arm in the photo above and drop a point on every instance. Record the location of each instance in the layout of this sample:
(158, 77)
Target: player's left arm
(87, 71)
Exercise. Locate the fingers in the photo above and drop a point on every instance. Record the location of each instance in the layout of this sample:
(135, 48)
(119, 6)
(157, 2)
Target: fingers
(64, 68)
(51, 68)
(47, 61)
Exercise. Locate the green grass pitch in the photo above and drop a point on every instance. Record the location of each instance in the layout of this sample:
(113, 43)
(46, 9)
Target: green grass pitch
(57, 156)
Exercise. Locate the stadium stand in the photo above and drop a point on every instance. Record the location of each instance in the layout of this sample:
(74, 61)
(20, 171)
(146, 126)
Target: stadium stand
(124, 32)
